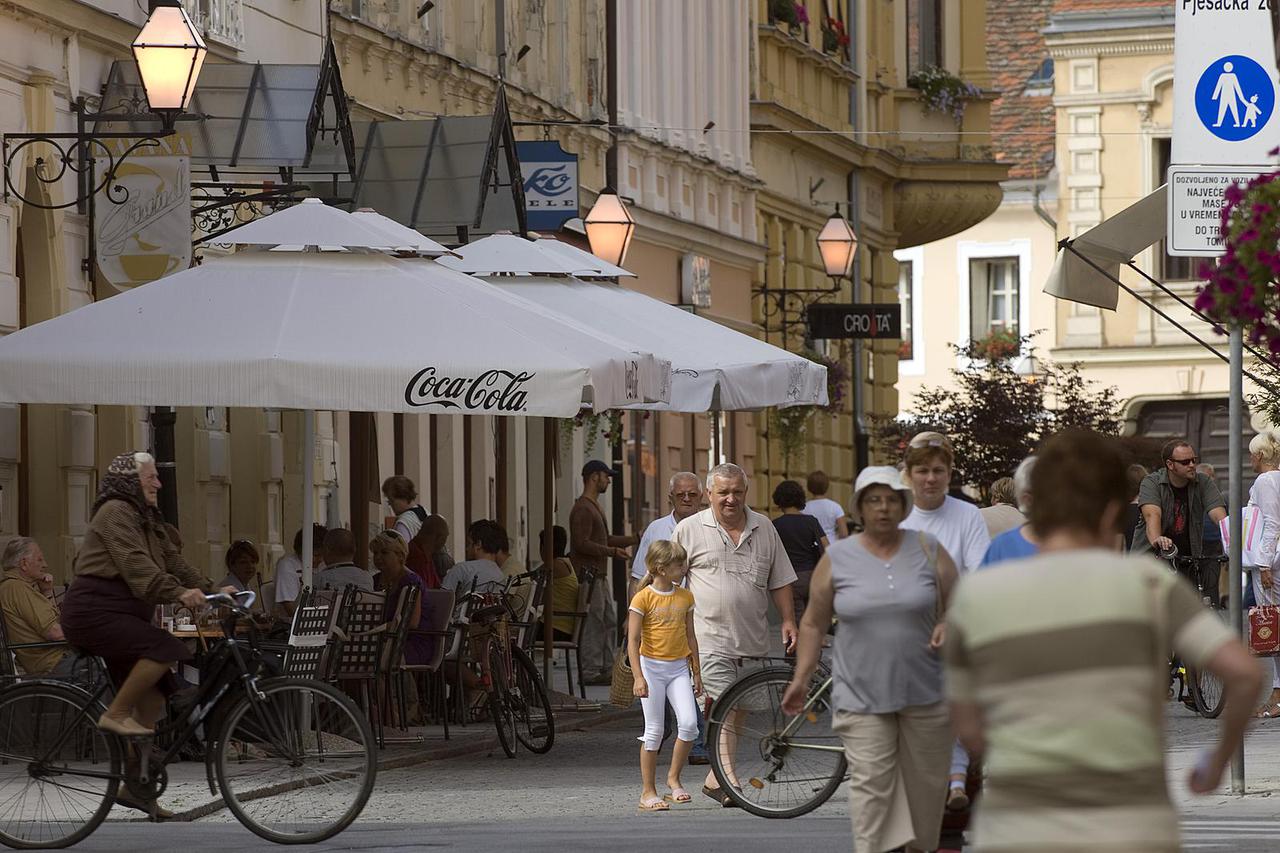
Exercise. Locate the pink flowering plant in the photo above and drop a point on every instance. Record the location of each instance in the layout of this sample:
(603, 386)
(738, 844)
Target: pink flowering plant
(1243, 286)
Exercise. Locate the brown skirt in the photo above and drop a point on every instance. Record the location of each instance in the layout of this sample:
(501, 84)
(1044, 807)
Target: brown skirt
(103, 617)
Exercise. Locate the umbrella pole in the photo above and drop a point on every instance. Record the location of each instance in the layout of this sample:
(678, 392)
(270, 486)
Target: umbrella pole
(548, 543)
(308, 493)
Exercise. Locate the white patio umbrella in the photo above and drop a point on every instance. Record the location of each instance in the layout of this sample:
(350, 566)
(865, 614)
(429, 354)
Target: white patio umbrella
(714, 368)
(344, 330)
(332, 330)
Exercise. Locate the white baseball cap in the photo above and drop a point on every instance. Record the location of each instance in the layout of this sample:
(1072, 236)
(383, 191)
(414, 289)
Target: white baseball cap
(880, 475)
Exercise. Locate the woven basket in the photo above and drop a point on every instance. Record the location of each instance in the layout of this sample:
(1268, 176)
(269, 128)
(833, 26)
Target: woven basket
(620, 689)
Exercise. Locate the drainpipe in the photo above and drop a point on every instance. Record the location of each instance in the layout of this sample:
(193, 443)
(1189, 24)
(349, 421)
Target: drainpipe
(1039, 209)
(861, 435)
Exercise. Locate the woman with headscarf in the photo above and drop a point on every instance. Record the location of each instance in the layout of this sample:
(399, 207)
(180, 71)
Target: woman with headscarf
(129, 564)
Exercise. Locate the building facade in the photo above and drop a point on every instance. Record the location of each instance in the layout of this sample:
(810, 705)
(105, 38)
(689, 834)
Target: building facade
(838, 121)
(56, 51)
(729, 181)
(1109, 69)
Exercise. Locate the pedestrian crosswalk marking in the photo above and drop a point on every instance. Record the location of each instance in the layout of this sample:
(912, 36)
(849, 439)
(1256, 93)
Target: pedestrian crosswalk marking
(1225, 833)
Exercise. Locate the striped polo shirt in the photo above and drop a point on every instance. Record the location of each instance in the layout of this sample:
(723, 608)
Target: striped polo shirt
(1066, 654)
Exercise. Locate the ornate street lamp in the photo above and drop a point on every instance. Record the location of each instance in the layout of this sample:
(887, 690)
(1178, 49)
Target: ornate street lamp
(169, 53)
(838, 244)
(609, 227)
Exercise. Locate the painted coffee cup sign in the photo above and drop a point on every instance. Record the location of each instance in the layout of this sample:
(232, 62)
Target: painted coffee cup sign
(148, 235)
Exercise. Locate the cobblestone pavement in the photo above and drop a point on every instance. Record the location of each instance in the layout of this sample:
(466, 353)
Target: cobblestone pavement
(582, 796)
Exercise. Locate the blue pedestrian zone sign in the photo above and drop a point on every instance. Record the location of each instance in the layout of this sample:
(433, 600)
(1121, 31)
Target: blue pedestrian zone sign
(1235, 98)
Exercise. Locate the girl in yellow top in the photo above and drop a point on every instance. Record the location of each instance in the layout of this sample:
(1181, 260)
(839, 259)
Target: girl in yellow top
(664, 652)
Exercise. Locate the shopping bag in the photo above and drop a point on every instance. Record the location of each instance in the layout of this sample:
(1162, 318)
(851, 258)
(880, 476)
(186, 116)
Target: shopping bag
(1264, 630)
(620, 688)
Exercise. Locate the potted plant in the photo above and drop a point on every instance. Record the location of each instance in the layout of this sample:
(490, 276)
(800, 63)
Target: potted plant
(835, 39)
(783, 12)
(941, 91)
(791, 425)
(1241, 287)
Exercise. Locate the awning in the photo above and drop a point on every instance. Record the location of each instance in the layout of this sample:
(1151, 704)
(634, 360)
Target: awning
(454, 177)
(281, 122)
(1110, 245)
(1087, 269)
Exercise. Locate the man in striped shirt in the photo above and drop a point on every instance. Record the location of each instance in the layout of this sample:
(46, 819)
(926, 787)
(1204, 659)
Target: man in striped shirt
(1058, 667)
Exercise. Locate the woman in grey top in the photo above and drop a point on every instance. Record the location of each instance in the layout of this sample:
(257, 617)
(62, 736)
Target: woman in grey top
(888, 588)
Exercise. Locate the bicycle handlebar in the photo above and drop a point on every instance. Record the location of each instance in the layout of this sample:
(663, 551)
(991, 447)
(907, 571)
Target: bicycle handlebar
(229, 600)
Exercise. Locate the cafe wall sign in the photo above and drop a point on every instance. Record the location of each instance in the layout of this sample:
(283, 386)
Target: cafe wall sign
(148, 235)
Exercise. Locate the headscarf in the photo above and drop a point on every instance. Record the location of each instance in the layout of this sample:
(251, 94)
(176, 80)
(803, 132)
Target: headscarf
(122, 483)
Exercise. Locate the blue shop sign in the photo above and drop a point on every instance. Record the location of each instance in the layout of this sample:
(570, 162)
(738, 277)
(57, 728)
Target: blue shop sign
(550, 184)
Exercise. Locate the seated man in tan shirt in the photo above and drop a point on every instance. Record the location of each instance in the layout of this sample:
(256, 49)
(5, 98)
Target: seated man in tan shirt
(26, 601)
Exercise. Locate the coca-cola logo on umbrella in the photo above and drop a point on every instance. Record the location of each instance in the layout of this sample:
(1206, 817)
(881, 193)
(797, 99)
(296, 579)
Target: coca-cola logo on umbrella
(491, 391)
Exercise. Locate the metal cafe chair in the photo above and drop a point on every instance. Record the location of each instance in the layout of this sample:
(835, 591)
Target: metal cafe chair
(438, 605)
(573, 646)
(314, 624)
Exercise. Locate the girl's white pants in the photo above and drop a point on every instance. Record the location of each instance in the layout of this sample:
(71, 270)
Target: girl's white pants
(668, 681)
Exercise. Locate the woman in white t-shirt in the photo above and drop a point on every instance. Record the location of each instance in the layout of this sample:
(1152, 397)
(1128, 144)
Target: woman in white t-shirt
(828, 512)
(403, 497)
(1264, 453)
(959, 528)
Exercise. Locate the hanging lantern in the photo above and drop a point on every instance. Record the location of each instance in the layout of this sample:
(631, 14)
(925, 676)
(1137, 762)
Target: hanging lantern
(609, 228)
(169, 52)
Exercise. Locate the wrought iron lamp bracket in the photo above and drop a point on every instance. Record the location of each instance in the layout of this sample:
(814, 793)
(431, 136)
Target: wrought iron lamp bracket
(60, 154)
(784, 310)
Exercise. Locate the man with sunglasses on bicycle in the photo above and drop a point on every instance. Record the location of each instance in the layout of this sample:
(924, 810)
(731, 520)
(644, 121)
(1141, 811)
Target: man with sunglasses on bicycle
(1173, 503)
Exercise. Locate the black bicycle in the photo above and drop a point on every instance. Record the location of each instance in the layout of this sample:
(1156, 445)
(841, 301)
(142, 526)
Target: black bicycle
(768, 762)
(292, 758)
(1207, 696)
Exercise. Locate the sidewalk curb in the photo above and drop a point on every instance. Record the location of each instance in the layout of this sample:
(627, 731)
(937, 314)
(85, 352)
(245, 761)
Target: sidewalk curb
(443, 752)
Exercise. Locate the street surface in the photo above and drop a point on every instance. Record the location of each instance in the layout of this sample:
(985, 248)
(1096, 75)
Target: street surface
(582, 797)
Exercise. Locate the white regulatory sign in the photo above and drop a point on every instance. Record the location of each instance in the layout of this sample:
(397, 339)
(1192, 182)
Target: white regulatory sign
(1195, 207)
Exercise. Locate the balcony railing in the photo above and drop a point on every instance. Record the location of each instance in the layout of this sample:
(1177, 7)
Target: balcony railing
(803, 79)
(221, 21)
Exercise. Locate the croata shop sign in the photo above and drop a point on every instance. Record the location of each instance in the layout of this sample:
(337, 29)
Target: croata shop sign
(491, 391)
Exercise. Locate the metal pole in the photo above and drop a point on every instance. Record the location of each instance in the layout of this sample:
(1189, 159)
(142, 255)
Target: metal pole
(163, 419)
(1235, 427)
(861, 439)
(308, 492)
(549, 427)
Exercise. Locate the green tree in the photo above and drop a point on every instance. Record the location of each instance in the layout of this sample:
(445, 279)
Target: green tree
(996, 416)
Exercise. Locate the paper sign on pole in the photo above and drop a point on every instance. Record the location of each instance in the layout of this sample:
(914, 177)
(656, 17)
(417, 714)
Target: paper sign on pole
(1225, 121)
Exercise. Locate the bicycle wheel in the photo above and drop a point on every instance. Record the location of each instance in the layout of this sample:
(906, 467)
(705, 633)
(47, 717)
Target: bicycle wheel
(58, 771)
(1206, 691)
(770, 764)
(535, 721)
(295, 765)
(504, 718)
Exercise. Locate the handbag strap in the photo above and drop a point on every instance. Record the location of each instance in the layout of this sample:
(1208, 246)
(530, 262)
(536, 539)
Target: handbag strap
(930, 549)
